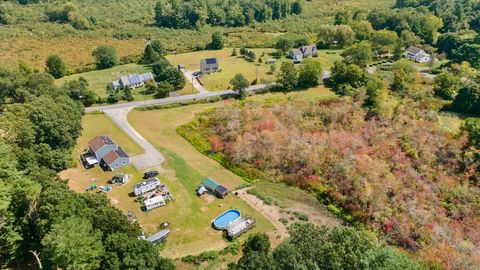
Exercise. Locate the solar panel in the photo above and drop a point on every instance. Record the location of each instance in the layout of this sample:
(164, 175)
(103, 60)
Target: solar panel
(210, 61)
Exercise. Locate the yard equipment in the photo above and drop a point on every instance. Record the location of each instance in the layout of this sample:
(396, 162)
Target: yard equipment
(150, 174)
(91, 187)
(105, 189)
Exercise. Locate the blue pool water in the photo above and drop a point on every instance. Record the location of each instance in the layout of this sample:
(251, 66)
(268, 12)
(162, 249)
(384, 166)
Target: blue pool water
(226, 218)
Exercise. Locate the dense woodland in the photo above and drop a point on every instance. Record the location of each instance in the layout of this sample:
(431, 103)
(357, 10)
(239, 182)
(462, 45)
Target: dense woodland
(40, 218)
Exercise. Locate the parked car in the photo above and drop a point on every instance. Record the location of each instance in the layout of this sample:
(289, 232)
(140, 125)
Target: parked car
(150, 174)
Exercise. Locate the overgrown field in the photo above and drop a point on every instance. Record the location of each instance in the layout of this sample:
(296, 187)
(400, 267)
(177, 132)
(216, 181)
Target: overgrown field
(406, 176)
(125, 24)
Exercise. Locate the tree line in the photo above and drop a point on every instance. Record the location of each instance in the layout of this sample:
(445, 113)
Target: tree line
(232, 13)
(42, 221)
(313, 248)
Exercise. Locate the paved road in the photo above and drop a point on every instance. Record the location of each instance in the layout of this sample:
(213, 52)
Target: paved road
(151, 156)
(149, 102)
(194, 80)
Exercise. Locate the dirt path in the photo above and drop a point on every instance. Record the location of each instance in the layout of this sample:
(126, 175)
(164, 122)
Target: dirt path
(271, 212)
(274, 213)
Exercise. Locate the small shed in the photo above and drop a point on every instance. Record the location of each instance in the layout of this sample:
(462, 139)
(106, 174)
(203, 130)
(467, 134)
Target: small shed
(271, 62)
(158, 237)
(120, 178)
(213, 187)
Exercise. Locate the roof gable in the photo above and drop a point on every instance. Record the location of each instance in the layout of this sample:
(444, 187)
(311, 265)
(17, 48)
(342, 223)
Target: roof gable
(99, 141)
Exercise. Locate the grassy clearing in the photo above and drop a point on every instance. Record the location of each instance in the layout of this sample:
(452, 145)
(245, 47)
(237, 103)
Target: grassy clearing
(190, 216)
(99, 79)
(231, 65)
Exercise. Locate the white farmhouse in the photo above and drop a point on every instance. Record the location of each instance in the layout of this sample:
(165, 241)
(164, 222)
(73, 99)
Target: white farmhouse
(416, 54)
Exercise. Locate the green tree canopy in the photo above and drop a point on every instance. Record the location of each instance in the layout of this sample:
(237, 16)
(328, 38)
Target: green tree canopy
(239, 84)
(105, 56)
(217, 41)
(287, 79)
(310, 73)
(74, 244)
(283, 44)
(468, 99)
(55, 66)
(446, 85)
(360, 54)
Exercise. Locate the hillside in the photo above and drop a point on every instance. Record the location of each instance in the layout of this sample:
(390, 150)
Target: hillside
(31, 37)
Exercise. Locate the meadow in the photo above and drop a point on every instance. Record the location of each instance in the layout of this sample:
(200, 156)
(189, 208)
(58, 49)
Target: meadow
(231, 65)
(99, 79)
(30, 38)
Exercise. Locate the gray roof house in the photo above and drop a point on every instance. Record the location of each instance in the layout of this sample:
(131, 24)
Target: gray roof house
(108, 154)
(417, 54)
(209, 65)
(100, 146)
(132, 81)
(309, 51)
(146, 186)
(115, 159)
(303, 52)
(296, 55)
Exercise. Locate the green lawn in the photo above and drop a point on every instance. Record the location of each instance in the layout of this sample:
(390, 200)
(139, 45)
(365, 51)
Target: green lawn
(231, 65)
(190, 216)
(99, 79)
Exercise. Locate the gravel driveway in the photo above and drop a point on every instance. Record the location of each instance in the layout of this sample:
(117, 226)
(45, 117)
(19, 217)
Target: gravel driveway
(151, 157)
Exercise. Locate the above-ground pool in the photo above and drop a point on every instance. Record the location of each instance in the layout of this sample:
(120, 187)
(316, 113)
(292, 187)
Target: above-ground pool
(226, 218)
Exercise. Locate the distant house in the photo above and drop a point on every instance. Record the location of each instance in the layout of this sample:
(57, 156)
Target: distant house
(209, 65)
(309, 51)
(158, 237)
(132, 81)
(303, 52)
(146, 186)
(108, 154)
(154, 202)
(416, 54)
(213, 187)
(296, 55)
(115, 159)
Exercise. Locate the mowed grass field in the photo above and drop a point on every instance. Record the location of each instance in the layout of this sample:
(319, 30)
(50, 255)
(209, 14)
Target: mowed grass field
(190, 216)
(99, 79)
(231, 65)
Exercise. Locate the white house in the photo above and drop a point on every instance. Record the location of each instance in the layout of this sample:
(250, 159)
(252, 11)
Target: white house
(416, 54)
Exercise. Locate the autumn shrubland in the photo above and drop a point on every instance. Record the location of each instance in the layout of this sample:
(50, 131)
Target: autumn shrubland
(404, 176)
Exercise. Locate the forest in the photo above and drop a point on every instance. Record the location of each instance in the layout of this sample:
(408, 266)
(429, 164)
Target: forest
(42, 222)
(188, 14)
